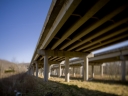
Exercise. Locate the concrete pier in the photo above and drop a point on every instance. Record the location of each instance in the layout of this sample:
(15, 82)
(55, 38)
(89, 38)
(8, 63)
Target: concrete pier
(67, 69)
(92, 71)
(85, 69)
(45, 68)
(37, 70)
(101, 69)
(59, 75)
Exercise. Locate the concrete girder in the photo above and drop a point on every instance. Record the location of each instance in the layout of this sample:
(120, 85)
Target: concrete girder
(63, 15)
(114, 54)
(53, 58)
(86, 17)
(104, 38)
(95, 25)
(107, 42)
(100, 33)
(63, 53)
(49, 62)
(59, 58)
(36, 56)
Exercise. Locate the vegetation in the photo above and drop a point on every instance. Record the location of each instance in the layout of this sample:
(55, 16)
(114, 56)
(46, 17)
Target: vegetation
(31, 86)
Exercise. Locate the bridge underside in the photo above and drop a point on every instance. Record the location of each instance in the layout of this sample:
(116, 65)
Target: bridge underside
(75, 28)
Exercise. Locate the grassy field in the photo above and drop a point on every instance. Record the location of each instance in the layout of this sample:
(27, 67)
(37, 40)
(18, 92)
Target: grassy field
(96, 87)
(32, 86)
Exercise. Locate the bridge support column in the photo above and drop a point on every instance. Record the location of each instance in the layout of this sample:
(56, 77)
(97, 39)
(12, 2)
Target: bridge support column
(63, 71)
(101, 69)
(123, 68)
(85, 69)
(37, 70)
(49, 71)
(92, 71)
(67, 69)
(33, 70)
(74, 72)
(59, 75)
(46, 68)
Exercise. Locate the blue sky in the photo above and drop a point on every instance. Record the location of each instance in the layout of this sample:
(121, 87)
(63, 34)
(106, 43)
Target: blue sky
(21, 22)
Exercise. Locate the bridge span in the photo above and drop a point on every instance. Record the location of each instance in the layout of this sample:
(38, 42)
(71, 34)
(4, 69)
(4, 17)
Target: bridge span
(75, 28)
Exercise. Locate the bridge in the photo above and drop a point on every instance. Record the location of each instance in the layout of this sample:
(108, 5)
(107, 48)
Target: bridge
(118, 54)
(75, 28)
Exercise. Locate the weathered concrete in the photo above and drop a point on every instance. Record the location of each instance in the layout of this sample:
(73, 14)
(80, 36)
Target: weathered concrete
(67, 69)
(92, 71)
(45, 68)
(85, 67)
(37, 70)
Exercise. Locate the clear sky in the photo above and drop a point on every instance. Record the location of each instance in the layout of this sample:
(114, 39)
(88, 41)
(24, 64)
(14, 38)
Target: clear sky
(21, 22)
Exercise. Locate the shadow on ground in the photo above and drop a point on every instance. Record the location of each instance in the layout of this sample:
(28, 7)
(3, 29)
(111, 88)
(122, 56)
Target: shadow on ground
(32, 86)
(119, 82)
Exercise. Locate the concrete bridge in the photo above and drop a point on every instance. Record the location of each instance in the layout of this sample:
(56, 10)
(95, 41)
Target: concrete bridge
(118, 54)
(75, 28)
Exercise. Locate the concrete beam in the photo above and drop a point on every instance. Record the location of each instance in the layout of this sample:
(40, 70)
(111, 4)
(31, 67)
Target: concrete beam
(49, 62)
(95, 25)
(36, 56)
(79, 23)
(62, 17)
(114, 54)
(107, 42)
(104, 38)
(99, 33)
(62, 53)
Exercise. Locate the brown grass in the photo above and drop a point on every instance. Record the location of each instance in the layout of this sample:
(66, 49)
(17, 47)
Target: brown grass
(32, 86)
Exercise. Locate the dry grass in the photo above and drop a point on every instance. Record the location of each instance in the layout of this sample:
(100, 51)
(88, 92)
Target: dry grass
(32, 86)
(90, 88)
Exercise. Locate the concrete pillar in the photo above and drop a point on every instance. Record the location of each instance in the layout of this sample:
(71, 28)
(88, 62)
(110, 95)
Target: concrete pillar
(49, 71)
(92, 71)
(101, 69)
(67, 69)
(46, 68)
(62, 71)
(123, 68)
(42, 71)
(33, 70)
(81, 71)
(56, 72)
(85, 77)
(59, 75)
(53, 71)
(37, 70)
(74, 72)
